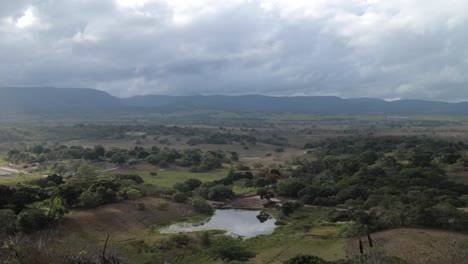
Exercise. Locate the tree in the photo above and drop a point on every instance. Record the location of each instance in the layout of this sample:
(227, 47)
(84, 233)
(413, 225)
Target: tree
(71, 191)
(5, 196)
(56, 179)
(288, 208)
(231, 249)
(220, 193)
(54, 208)
(179, 197)
(38, 149)
(119, 158)
(193, 183)
(290, 187)
(100, 150)
(24, 195)
(369, 157)
(182, 187)
(32, 220)
(202, 206)
(265, 194)
(90, 199)
(86, 171)
(8, 220)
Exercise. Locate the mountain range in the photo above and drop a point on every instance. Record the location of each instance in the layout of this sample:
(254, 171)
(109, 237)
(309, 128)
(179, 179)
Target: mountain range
(49, 99)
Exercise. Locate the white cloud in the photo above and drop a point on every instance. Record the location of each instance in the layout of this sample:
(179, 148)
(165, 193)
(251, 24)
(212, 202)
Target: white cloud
(351, 48)
(27, 19)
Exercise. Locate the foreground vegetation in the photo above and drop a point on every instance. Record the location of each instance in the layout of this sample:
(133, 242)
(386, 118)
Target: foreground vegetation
(338, 194)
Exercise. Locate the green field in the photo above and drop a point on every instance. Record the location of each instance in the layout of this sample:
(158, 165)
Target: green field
(167, 178)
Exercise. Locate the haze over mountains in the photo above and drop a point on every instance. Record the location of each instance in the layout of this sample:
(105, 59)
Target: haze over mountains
(48, 99)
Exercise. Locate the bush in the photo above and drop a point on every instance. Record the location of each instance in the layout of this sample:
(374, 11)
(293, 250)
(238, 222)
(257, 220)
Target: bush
(220, 193)
(90, 199)
(133, 194)
(180, 240)
(179, 197)
(306, 259)
(202, 206)
(290, 187)
(289, 207)
(193, 183)
(205, 238)
(133, 177)
(8, 221)
(32, 220)
(182, 187)
(163, 205)
(229, 249)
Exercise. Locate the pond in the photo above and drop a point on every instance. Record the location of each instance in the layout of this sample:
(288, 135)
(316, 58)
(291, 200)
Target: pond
(236, 222)
(4, 172)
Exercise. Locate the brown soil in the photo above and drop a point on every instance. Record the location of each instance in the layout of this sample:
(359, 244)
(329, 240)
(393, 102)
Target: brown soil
(123, 219)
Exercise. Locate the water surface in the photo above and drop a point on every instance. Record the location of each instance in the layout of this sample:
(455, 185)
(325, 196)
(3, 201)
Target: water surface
(235, 222)
(4, 172)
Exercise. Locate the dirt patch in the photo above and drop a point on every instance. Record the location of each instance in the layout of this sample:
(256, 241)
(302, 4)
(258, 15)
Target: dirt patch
(123, 219)
(418, 246)
(252, 201)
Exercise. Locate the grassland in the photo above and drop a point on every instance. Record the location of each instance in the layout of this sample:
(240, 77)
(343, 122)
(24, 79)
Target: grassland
(132, 231)
(169, 176)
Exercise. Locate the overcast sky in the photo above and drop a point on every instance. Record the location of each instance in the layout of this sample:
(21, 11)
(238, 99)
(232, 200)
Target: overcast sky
(350, 48)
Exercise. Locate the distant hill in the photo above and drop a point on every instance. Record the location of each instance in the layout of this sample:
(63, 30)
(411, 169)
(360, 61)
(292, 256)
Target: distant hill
(299, 104)
(48, 99)
(77, 100)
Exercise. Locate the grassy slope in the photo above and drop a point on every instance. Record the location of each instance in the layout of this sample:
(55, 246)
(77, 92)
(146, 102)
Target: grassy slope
(299, 237)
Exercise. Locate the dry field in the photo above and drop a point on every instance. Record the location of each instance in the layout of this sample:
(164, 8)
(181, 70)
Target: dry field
(419, 246)
(123, 220)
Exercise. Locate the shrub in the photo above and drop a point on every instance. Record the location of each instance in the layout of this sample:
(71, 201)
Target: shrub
(205, 238)
(179, 197)
(202, 206)
(90, 199)
(32, 220)
(8, 221)
(220, 193)
(306, 259)
(133, 194)
(290, 187)
(289, 207)
(229, 249)
(180, 240)
(163, 205)
(182, 187)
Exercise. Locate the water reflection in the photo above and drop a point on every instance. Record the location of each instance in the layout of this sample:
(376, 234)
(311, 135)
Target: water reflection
(236, 222)
(4, 172)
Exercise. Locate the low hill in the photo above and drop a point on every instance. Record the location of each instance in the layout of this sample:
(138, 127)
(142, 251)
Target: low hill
(39, 100)
(48, 99)
(299, 104)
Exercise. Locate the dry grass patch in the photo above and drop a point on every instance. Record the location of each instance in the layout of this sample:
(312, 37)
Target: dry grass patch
(123, 219)
(418, 246)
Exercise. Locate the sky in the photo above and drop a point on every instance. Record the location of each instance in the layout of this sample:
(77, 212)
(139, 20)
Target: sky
(398, 49)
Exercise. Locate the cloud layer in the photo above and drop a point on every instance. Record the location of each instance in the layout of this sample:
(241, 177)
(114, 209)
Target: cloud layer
(350, 48)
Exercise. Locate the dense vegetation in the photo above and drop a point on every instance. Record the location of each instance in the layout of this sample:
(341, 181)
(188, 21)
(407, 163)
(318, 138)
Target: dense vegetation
(389, 181)
(197, 159)
(375, 183)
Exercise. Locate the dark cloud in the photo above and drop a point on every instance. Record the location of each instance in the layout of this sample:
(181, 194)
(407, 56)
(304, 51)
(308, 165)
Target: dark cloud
(349, 48)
